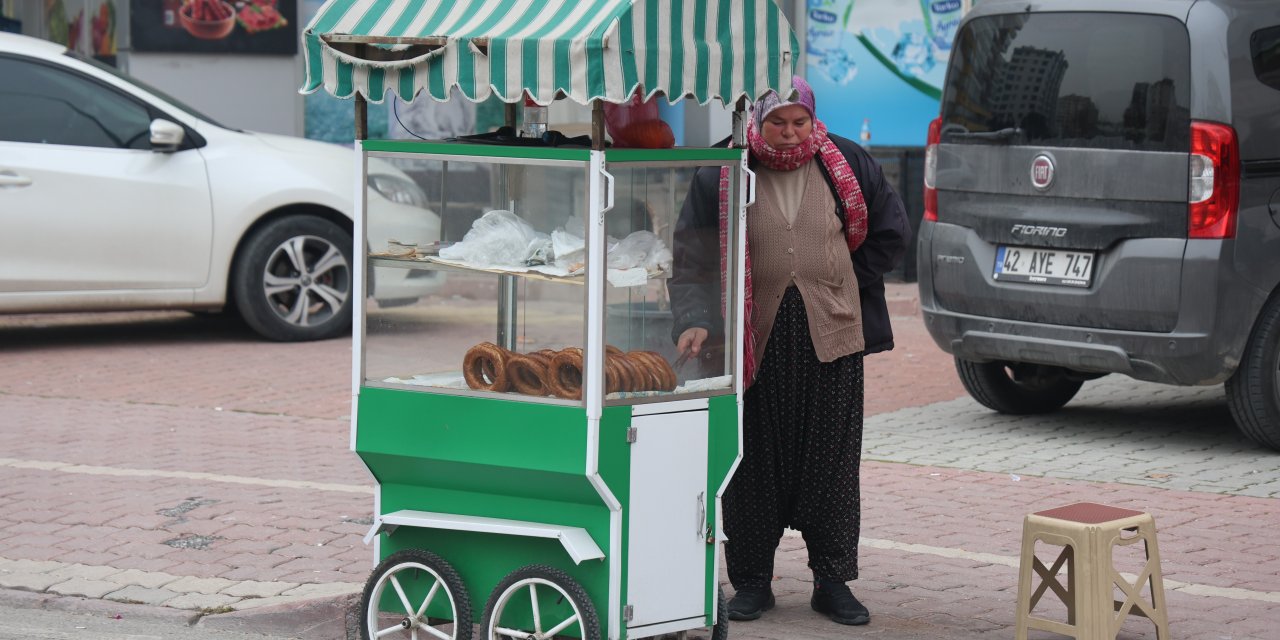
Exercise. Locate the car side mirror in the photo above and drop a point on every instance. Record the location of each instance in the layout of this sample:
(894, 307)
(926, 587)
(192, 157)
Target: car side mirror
(166, 136)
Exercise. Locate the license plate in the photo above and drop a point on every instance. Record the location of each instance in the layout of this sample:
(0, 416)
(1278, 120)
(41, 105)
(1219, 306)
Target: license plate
(1039, 265)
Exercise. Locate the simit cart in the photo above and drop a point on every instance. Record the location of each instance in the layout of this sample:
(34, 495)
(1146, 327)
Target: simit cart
(544, 501)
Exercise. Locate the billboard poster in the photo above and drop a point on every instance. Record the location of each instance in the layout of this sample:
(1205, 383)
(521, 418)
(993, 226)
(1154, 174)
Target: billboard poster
(877, 66)
(214, 26)
(86, 26)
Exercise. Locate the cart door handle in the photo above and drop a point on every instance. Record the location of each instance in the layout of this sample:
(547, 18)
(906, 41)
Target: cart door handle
(751, 186)
(608, 194)
(702, 515)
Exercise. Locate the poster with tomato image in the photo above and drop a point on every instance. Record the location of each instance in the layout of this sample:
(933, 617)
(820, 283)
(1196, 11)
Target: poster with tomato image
(214, 26)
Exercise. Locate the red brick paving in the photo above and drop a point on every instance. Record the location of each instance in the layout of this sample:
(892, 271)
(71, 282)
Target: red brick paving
(143, 391)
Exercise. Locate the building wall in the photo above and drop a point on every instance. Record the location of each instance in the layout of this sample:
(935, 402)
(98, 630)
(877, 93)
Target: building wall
(244, 92)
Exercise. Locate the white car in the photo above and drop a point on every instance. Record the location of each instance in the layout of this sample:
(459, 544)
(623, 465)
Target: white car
(114, 196)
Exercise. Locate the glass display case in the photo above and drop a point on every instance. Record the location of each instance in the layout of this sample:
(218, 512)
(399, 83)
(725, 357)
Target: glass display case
(540, 253)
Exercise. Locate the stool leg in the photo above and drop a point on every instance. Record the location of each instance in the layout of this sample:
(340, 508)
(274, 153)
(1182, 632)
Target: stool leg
(1161, 615)
(1024, 583)
(1072, 595)
(1095, 586)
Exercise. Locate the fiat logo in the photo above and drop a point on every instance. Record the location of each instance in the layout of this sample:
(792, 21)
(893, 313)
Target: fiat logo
(1042, 172)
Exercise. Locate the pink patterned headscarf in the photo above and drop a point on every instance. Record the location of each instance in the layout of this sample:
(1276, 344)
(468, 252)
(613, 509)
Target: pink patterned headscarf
(771, 101)
(819, 145)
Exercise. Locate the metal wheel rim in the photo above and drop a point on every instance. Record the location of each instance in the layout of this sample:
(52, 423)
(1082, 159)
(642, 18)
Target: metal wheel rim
(415, 617)
(541, 631)
(306, 280)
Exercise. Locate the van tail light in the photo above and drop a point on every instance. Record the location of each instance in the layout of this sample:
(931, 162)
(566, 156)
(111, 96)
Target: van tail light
(1213, 192)
(931, 170)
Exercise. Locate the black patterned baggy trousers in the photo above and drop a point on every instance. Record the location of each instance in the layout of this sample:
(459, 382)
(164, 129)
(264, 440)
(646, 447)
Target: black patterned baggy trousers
(802, 444)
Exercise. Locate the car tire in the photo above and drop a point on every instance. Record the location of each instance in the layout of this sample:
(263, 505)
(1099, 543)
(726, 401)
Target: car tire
(292, 279)
(1253, 391)
(1017, 388)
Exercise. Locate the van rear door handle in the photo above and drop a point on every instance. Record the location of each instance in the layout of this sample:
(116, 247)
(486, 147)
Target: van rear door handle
(11, 179)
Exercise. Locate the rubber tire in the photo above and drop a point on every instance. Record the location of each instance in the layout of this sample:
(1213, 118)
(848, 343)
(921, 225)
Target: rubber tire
(450, 577)
(1253, 391)
(248, 288)
(589, 623)
(721, 630)
(993, 387)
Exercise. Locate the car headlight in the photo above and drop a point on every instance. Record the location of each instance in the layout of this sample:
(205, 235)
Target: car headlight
(398, 190)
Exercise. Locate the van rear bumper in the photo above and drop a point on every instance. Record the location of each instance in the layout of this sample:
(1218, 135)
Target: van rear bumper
(1170, 358)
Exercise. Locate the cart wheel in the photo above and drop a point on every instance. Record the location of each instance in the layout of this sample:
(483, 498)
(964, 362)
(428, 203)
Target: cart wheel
(418, 579)
(536, 603)
(721, 630)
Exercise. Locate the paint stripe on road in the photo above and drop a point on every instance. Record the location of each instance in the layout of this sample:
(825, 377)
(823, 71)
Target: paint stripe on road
(1232, 593)
(64, 467)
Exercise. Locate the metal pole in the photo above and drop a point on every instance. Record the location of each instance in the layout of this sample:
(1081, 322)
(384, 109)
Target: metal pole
(740, 123)
(362, 107)
(597, 125)
(508, 307)
(509, 114)
(444, 201)
(362, 118)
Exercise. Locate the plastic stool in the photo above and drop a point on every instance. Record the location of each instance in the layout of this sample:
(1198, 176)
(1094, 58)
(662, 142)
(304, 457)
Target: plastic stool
(1087, 533)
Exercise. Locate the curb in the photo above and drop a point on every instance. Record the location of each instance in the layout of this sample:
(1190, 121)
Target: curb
(322, 618)
(326, 618)
(19, 599)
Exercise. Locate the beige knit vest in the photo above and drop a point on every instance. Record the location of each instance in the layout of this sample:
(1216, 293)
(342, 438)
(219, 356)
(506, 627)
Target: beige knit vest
(812, 254)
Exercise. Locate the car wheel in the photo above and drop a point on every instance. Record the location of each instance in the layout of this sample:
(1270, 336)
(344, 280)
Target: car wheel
(1253, 391)
(292, 280)
(1017, 388)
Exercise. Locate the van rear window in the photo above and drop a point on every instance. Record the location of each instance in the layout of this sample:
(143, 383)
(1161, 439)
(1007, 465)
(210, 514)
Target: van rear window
(1093, 80)
(1264, 46)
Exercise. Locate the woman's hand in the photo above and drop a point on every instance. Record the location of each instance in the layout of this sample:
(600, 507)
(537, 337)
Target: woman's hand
(691, 339)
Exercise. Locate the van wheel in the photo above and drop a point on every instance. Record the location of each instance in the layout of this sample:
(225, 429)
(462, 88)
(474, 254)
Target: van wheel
(1253, 391)
(1017, 388)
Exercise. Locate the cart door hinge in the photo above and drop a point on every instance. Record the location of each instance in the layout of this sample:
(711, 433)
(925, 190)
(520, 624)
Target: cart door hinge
(628, 612)
(631, 434)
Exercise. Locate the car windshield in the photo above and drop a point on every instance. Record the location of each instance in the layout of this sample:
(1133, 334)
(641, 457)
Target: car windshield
(145, 87)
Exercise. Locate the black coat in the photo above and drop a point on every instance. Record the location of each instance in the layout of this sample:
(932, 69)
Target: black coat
(695, 285)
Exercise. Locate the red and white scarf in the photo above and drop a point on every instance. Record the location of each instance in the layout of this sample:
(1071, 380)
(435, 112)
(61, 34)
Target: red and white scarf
(848, 193)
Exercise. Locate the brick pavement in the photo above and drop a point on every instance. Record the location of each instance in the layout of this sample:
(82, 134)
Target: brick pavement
(175, 461)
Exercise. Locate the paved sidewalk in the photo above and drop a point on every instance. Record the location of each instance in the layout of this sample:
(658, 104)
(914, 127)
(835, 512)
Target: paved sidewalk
(187, 466)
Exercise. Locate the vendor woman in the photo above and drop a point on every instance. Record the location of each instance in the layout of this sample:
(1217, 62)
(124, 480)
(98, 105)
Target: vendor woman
(825, 228)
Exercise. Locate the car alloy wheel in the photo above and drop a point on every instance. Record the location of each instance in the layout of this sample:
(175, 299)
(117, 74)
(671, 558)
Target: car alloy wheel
(293, 279)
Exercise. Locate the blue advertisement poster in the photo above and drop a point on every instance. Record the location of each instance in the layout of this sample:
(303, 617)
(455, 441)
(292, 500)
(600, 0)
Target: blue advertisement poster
(877, 66)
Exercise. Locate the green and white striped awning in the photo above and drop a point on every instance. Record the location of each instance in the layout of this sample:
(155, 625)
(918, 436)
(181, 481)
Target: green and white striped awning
(579, 49)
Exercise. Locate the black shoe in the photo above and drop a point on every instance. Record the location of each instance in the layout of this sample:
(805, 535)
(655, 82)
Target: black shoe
(836, 601)
(750, 603)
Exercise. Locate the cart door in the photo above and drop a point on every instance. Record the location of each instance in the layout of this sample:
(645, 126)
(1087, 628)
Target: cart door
(667, 560)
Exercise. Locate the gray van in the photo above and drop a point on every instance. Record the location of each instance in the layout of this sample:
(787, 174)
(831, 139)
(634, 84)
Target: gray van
(1102, 195)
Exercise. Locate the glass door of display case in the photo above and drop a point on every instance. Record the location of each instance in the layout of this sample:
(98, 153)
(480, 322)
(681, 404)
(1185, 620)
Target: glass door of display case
(650, 189)
(509, 250)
